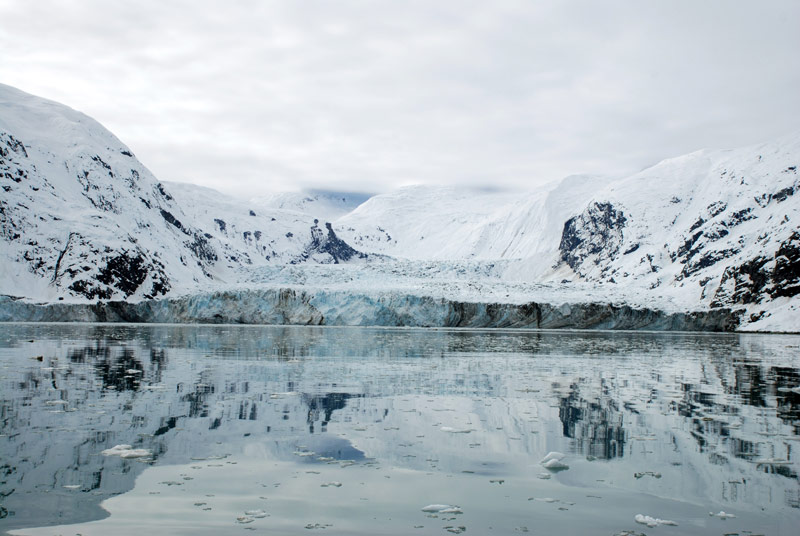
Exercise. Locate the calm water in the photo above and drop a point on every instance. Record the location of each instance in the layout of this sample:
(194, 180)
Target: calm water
(278, 430)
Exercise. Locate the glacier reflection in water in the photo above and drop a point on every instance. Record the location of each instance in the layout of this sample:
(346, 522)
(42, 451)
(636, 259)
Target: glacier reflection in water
(293, 430)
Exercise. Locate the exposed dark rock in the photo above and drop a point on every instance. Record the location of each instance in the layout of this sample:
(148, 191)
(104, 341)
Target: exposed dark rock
(329, 243)
(597, 232)
(172, 219)
(762, 277)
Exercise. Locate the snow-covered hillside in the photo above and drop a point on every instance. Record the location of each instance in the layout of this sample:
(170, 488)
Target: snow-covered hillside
(81, 216)
(721, 228)
(83, 220)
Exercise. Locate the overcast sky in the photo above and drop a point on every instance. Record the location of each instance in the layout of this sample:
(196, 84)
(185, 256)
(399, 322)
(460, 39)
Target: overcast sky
(256, 96)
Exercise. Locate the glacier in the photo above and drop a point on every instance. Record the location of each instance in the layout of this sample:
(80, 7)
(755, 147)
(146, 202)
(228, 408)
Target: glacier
(705, 241)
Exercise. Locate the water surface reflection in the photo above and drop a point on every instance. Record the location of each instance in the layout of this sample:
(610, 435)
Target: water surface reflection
(714, 416)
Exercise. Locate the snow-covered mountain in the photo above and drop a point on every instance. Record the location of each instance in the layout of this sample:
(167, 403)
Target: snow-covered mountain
(82, 220)
(81, 216)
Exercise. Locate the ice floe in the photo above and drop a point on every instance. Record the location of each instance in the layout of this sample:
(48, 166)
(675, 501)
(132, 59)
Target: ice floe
(652, 521)
(443, 509)
(722, 515)
(452, 430)
(126, 451)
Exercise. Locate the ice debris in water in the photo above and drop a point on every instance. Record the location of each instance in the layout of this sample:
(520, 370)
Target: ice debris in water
(455, 530)
(331, 484)
(553, 461)
(126, 451)
(652, 521)
(255, 514)
(443, 509)
(452, 430)
(244, 519)
(555, 465)
(722, 515)
(554, 455)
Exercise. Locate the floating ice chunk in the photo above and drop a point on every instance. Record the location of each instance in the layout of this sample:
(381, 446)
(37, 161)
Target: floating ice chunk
(554, 455)
(442, 509)
(555, 465)
(722, 515)
(56, 403)
(544, 476)
(134, 371)
(72, 486)
(244, 519)
(126, 451)
(455, 530)
(452, 430)
(331, 484)
(256, 514)
(652, 521)
(452, 510)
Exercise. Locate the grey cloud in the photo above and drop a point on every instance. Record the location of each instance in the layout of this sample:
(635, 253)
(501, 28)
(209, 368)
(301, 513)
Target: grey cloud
(252, 96)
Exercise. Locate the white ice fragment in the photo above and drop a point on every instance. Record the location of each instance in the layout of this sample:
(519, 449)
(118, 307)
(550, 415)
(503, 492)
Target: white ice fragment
(442, 508)
(126, 451)
(452, 510)
(552, 456)
(331, 484)
(652, 521)
(244, 519)
(134, 371)
(72, 486)
(452, 430)
(56, 403)
(256, 514)
(722, 515)
(555, 465)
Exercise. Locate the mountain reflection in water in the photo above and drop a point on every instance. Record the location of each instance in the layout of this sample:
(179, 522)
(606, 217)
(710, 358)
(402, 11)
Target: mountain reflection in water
(722, 407)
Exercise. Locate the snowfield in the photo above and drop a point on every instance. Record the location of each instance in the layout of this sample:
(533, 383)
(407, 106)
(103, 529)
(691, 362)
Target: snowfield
(88, 233)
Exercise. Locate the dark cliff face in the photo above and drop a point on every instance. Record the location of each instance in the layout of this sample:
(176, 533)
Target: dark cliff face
(596, 235)
(762, 278)
(329, 244)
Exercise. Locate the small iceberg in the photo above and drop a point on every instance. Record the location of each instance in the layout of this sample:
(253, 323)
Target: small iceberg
(554, 455)
(722, 515)
(452, 430)
(555, 465)
(443, 509)
(553, 461)
(126, 451)
(652, 521)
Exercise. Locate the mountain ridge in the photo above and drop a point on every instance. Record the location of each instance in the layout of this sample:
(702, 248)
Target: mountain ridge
(82, 220)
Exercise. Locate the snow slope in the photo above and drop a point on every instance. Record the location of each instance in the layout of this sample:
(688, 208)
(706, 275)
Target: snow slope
(81, 216)
(720, 228)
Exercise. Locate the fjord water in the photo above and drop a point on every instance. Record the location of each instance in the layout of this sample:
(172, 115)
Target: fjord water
(295, 430)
